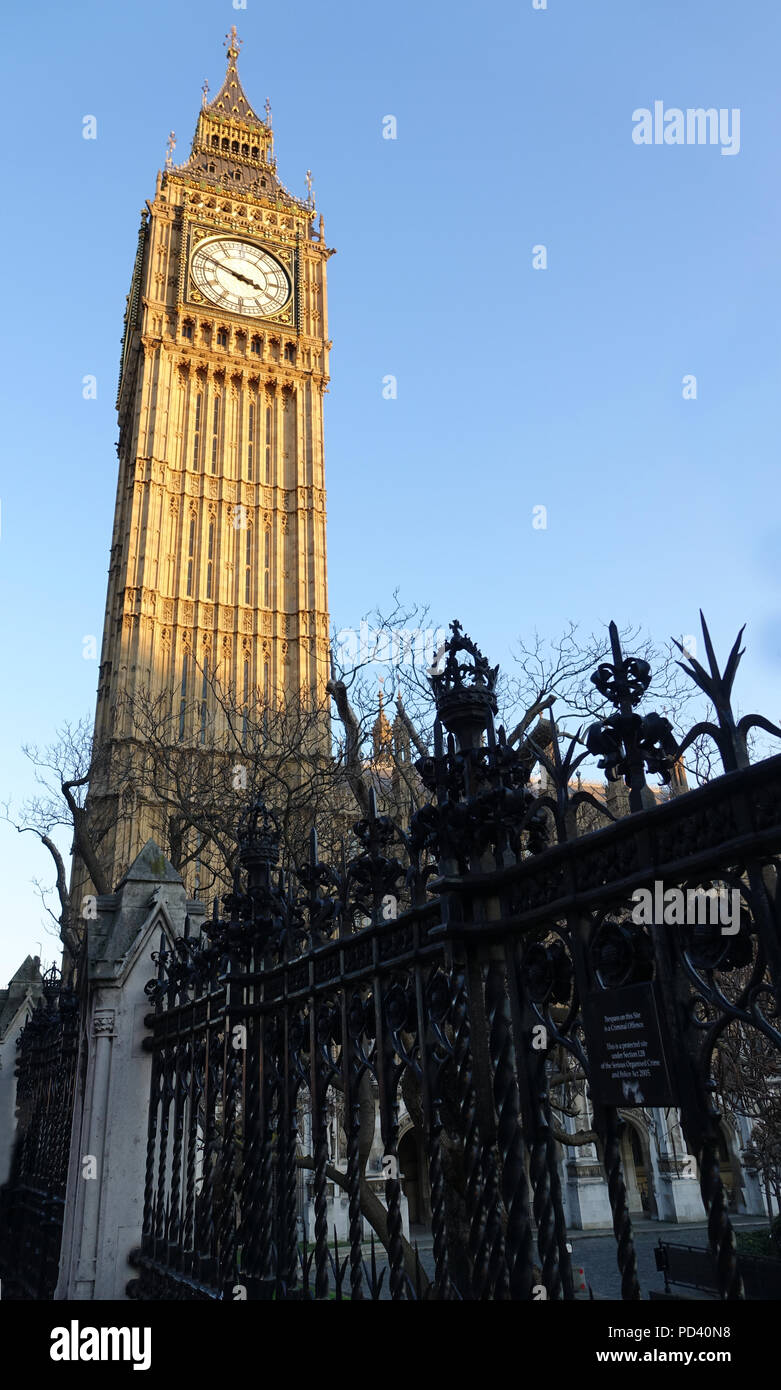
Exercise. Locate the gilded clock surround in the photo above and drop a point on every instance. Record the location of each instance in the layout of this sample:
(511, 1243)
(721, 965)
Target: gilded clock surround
(220, 416)
(197, 235)
(254, 260)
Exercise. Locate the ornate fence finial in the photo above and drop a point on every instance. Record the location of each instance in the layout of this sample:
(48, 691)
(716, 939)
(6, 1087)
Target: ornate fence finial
(465, 691)
(259, 837)
(51, 985)
(730, 736)
(629, 743)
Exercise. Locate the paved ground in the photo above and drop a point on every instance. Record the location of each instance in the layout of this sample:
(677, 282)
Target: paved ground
(596, 1252)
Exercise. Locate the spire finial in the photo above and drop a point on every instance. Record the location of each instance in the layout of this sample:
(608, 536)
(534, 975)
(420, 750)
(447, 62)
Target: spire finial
(233, 43)
(268, 112)
(169, 150)
(382, 734)
(310, 198)
(205, 90)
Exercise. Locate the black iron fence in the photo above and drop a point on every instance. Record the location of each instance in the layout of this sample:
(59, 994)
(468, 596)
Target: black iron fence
(448, 966)
(32, 1201)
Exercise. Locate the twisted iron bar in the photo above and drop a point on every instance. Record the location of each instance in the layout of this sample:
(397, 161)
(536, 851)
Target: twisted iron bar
(181, 1084)
(462, 1057)
(151, 1145)
(196, 1091)
(622, 1225)
(205, 1226)
(540, 1154)
(514, 1186)
(320, 1147)
(255, 1199)
(720, 1232)
(442, 1285)
(228, 1154)
(396, 1279)
(287, 1252)
(162, 1165)
(354, 1195)
(565, 1263)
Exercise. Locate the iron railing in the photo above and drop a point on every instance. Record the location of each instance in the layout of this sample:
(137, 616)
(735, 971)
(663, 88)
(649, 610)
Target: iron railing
(447, 964)
(32, 1201)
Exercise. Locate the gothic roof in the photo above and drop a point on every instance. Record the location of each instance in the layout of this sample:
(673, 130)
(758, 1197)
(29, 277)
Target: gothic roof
(242, 161)
(231, 101)
(27, 977)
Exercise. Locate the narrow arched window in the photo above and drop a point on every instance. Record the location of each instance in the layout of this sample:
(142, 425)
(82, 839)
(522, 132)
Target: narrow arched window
(222, 337)
(269, 419)
(197, 430)
(183, 696)
(266, 568)
(248, 566)
(204, 689)
(210, 561)
(190, 554)
(266, 694)
(250, 440)
(215, 432)
(246, 703)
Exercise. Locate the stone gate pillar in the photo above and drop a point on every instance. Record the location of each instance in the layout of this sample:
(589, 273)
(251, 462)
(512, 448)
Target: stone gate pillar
(105, 1191)
(679, 1197)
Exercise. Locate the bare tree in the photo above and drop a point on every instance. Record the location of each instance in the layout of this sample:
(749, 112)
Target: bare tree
(62, 773)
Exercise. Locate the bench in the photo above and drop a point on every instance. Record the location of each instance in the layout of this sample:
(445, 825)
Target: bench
(692, 1267)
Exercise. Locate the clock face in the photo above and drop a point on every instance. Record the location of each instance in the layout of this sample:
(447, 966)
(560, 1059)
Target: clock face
(240, 277)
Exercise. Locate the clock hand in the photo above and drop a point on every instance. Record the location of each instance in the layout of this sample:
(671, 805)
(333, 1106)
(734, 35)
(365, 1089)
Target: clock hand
(246, 279)
(235, 273)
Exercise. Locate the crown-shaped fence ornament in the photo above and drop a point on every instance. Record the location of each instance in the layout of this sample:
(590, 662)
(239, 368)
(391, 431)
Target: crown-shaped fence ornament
(254, 904)
(51, 982)
(630, 744)
(464, 689)
(259, 837)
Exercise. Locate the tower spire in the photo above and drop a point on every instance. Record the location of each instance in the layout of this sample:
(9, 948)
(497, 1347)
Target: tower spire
(230, 102)
(233, 43)
(382, 734)
(233, 144)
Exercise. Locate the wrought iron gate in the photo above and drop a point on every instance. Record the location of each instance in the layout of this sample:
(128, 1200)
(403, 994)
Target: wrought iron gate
(32, 1201)
(456, 958)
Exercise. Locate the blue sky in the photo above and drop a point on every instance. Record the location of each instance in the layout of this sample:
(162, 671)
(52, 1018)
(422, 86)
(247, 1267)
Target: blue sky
(516, 387)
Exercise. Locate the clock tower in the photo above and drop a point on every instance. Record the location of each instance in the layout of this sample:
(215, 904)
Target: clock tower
(218, 557)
